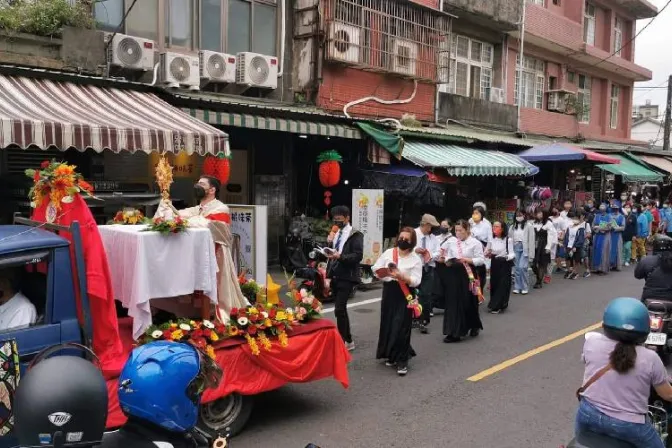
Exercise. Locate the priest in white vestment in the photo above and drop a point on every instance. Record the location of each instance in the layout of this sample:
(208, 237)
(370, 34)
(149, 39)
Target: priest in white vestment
(211, 213)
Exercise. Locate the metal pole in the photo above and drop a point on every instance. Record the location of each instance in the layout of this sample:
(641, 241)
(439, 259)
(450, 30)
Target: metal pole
(668, 116)
(521, 39)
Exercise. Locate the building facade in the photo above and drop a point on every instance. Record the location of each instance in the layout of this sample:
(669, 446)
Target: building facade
(648, 130)
(646, 110)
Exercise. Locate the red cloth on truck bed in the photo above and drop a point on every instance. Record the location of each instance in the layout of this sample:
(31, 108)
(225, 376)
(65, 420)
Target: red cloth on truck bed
(315, 351)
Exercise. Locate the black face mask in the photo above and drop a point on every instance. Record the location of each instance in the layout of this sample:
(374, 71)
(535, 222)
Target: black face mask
(444, 230)
(404, 245)
(199, 192)
(339, 224)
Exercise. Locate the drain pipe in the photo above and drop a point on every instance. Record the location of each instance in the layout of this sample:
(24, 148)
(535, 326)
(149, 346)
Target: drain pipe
(438, 95)
(520, 63)
(283, 23)
(380, 100)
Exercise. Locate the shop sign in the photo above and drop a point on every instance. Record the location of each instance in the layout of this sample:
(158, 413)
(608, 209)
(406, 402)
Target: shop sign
(249, 224)
(367, 217)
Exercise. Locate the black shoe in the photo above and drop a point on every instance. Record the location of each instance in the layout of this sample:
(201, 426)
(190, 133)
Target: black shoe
(537, 286)
(567, 274)
(424, 329)
(451, 340)
(474, 332)
(402, 369)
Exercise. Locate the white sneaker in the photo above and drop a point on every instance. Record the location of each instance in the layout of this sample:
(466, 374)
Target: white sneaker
(627, 263)
(515, 291)
(350, 346)
(524, 291)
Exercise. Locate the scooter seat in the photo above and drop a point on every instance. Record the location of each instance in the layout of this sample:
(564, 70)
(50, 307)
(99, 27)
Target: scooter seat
(661, 306)
(590, 439)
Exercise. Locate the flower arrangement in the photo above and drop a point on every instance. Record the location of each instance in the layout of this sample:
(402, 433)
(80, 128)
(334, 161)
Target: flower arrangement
(255, 323)
(57, 182)
(201, 334)
(166, 226)
(129, 217)
(307, 307)
(249, 288)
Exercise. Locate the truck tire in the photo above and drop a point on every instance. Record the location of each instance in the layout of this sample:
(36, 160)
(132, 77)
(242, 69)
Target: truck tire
(226, 415)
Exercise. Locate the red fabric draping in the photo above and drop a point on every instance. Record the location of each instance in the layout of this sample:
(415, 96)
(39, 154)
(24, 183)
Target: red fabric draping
(597, 157)
(224, 217)
(106, 341)
(315, 351)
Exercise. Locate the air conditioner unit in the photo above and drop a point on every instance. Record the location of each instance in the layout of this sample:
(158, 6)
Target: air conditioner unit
(130, 52)
(257, 70)
(497, 95)
(180, 70)
(557, 100)
(404, 55)
(344, 42)
(217, 67)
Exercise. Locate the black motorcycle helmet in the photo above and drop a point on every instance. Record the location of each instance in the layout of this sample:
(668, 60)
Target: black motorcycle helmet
(60, 402)
(661, 243)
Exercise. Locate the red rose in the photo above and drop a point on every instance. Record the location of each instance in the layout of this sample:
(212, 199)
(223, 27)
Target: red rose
(252, 330)
(207, 333)
(272, 313)
(234, 312)
(220, 328)
(44, 164)
(197, 334)
(166, 334)
(36, 177)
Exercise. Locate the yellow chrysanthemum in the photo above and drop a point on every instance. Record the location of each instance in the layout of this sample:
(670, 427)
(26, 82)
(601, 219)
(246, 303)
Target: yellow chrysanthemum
(268, 323)
(173, 325)
(281, 315)
(265, 342)
(177, 335)
(210, 351)
(214, 337)
(254, 311)
(284, 340)
(253, 345)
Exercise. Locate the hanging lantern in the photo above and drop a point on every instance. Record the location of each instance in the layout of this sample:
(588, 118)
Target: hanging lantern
(222, 169)
(327, 198)
(329, 168)
(208, 168)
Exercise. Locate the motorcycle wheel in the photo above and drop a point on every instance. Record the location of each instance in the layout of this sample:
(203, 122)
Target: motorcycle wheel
(226, 415)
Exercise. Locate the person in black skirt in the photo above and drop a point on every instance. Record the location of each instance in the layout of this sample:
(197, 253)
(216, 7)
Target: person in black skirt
(400, 269)
(500, 251)
(545, 237)
(464, 254)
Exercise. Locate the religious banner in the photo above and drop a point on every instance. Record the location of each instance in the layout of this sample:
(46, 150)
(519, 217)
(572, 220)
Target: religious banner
(368, 217)
(9, 379)
(249, 225)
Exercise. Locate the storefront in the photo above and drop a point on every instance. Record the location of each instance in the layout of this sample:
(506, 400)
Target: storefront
(632, 176)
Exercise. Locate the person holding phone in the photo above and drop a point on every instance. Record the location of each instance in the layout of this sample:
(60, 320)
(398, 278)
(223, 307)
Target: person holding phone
(400, 269)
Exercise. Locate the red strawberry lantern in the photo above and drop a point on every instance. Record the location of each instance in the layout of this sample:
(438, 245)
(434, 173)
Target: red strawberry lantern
(217, 166)
(208, 168)
(330, 168)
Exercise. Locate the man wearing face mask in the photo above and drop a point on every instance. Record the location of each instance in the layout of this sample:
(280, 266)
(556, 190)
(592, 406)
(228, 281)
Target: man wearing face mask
(629, 234)
(213, 214)
(15, 308)
(428, 250)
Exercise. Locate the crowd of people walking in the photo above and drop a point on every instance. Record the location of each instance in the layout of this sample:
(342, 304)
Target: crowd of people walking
(450, 266)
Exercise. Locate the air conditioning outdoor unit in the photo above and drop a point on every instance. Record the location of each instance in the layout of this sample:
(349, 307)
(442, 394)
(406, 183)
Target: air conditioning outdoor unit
(257, 70)
(344, 42)
(404, 55)
(180, 70)
(217, 67)
(130, 52)
(557, 100)
(497, 95)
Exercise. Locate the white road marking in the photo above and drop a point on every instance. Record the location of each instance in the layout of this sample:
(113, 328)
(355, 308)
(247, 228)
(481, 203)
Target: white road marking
(354, 304)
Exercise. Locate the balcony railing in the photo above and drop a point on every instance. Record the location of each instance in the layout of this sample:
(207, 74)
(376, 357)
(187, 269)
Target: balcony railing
(388, 36)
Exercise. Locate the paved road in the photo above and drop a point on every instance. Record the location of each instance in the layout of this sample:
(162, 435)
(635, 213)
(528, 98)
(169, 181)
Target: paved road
(528, 404)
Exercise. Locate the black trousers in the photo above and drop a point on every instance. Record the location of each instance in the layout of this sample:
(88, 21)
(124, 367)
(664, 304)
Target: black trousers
(427, 292)
(341, 290)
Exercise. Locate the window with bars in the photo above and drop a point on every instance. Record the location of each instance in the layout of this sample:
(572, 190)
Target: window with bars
(589, 24)
(529, 83)
(618, 36)
(471, 65)
(613, 112)
(583, 98)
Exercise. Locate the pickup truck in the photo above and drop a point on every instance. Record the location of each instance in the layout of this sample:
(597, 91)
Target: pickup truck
(48, 263)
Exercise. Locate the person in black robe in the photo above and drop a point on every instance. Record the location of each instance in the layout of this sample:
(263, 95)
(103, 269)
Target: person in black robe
(500, 251)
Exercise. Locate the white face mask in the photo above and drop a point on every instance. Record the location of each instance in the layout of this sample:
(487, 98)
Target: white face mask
(520, 218)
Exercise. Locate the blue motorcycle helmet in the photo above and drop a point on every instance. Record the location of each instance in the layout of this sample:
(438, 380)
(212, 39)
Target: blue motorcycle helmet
(626, 320)
(162, 383)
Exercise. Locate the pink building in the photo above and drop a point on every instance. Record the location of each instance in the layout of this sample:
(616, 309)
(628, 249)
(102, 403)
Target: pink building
(571, 86)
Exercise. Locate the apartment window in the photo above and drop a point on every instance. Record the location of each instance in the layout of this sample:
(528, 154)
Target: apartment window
(254, 27)
(142, 21)
(618, 36)
(589, 24)
(211, 25)
(613, 112)
(529, 83)
(583, 98)
(470, 67)
(179, 23)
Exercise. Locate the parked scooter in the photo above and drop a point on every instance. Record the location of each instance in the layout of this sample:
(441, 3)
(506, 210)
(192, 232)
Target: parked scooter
(315, 278)
(660, 318)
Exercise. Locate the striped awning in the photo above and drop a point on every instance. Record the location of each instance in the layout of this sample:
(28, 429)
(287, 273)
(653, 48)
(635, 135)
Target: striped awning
(275, 124)
(461, 161)
(44, 114)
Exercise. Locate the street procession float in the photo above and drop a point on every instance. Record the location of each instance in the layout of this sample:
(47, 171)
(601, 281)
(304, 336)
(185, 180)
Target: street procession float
(175, 276)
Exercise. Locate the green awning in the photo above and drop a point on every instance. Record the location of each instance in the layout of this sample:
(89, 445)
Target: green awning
(461, 161)
(275, 124)
(391, 142)
(631, 170)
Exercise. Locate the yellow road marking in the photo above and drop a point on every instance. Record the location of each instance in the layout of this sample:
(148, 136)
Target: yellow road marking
(513, 361)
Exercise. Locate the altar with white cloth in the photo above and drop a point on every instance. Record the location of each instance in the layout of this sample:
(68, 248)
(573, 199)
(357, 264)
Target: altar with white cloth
(149, 265)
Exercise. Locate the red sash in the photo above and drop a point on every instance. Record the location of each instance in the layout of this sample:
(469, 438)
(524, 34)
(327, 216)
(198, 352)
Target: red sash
(412, 301)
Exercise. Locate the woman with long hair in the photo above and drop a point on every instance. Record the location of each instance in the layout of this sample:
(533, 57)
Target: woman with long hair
(500, 251)
(523, 236)
(400, 269)
(481, 229)
(545, 237)
(464, 293)
(618, 377)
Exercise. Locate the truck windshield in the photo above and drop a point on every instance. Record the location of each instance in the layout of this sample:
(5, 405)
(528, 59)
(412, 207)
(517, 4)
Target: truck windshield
(23, 290)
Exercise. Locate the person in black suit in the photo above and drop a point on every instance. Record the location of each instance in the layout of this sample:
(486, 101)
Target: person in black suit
(343, 270)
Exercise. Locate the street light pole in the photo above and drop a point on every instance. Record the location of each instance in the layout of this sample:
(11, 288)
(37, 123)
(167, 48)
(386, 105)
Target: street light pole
(668, 116)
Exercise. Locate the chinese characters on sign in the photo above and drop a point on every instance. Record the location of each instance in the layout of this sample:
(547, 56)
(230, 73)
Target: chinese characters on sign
(243, 224)
(367, 217)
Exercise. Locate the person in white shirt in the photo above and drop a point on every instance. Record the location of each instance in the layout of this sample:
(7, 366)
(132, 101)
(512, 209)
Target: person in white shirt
(400, 269)
(427, 248)
(481, 229)
(561, 223)
(15, 308)
(461, 317)
(500, 251)
(545, 238)
(441, 276)
(523, 236)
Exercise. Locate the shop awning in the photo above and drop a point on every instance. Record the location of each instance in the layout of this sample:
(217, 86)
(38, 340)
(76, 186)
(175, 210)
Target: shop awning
(46, 114)
(631, 170)
(661, 163)
(461, 161)
(393, 143)
(561, 152)
(241, 120)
